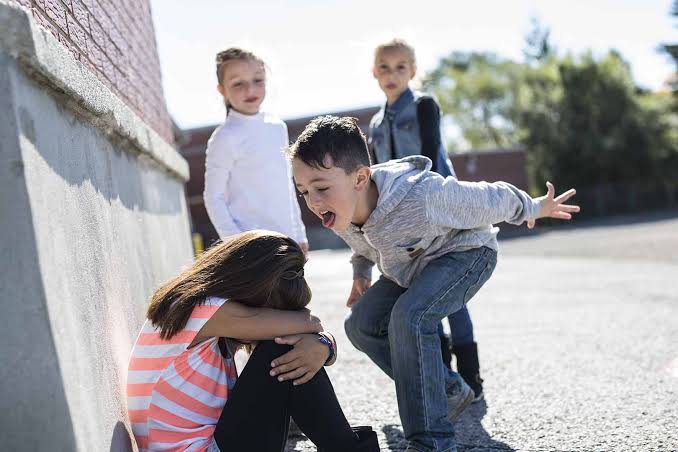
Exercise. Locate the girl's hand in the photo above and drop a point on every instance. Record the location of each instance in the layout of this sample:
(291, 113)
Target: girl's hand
(360, 286)
(553, 207)
(302, 362)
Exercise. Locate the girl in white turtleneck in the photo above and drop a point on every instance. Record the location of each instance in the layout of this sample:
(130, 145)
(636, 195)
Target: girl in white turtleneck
(248, 180)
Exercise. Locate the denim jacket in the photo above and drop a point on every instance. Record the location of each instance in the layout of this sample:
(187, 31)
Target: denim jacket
(406, 133)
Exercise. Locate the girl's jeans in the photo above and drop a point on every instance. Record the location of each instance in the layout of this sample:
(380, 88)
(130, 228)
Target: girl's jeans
(461, 327)
(398, 329)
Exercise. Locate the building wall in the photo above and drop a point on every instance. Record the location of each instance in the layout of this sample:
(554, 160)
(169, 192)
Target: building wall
(115, 40)
(93, 218)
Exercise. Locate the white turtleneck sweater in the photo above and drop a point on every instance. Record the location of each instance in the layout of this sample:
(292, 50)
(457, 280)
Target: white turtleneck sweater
(248, 179)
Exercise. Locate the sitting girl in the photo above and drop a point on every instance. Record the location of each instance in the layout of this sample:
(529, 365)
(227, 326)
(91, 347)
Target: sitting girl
(183, 390)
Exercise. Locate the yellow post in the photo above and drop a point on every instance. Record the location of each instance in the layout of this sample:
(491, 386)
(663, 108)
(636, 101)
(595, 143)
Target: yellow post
(197, 244)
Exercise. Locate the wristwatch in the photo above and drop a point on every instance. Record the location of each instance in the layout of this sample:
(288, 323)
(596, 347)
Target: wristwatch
(325, 340)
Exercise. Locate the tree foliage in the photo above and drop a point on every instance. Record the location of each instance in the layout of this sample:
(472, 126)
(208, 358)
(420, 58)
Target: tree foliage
(581, 118)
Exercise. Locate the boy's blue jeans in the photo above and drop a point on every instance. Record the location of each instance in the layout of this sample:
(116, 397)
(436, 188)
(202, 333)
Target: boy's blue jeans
(398, 329)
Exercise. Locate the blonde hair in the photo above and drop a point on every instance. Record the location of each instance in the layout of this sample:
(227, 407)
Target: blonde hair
(234, 54)
(396, 44)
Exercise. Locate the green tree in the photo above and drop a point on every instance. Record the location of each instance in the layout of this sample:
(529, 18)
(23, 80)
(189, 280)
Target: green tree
(581, 119)
(672, 51)
(478, 91)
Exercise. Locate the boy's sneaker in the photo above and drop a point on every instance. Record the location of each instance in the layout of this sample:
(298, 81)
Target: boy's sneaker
(457, 403)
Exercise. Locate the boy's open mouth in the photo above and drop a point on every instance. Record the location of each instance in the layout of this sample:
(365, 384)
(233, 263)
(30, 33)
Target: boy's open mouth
(328, 218)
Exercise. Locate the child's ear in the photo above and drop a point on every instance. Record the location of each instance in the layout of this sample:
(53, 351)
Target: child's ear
(220, 88)
(362, 177)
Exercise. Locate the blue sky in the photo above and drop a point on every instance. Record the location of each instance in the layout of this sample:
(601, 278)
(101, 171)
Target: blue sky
(320, 52)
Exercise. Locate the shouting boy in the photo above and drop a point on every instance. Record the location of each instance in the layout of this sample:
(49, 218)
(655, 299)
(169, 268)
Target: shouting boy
(433, 241)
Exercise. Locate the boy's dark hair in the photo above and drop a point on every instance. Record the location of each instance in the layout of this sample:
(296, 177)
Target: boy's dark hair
(339, 138)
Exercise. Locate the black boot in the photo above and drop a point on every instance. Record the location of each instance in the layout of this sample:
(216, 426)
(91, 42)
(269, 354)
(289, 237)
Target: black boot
(367, 440)
(469, 368)
(445, 349)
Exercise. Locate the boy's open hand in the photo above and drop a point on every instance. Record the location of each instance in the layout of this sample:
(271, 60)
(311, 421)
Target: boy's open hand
(302, 362)
(360, 286)
(554, 207)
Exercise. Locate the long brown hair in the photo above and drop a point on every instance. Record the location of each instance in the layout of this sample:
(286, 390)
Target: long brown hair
(255, 268)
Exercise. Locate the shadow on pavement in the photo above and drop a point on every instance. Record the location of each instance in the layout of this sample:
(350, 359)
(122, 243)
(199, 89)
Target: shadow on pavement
(471, 435)
(395, 438)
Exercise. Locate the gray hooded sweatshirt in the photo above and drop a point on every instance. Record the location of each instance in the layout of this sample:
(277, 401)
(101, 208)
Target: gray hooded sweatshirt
(421, 216)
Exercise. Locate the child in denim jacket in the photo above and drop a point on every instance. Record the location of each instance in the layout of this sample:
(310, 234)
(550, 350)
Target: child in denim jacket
(409, 124)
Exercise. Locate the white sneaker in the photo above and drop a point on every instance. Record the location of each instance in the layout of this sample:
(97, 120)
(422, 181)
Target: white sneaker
(457, 403)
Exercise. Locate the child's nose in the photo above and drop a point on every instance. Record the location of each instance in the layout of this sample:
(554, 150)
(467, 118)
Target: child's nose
(313, 201)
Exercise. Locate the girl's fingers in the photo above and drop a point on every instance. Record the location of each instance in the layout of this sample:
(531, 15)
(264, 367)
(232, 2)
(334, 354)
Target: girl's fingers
(305, 379)
(287, 358)
(289, 340)
(565, 196)
(281, 369)
(292, 374)
(530, 224)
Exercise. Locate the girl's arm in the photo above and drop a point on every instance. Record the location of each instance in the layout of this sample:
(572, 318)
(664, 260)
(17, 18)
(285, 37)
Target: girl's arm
(428, 116)
(219, 163)
(238, 321)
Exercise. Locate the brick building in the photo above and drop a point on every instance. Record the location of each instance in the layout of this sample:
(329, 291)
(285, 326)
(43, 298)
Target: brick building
(489, 165)
(115, 40)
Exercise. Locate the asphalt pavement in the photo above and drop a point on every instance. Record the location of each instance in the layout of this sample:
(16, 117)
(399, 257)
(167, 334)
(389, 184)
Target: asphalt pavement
(578, 338)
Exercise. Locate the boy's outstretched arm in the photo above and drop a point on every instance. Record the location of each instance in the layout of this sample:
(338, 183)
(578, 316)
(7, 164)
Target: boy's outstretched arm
(555, 207)
(469, 205)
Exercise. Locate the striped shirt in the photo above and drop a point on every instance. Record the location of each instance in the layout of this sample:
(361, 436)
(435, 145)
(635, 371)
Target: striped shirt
(175, 395)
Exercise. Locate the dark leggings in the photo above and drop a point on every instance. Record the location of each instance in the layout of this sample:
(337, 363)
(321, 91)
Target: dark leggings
(258, 409)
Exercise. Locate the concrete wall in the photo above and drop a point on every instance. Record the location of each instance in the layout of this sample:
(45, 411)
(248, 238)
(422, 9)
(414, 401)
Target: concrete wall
(92, 219)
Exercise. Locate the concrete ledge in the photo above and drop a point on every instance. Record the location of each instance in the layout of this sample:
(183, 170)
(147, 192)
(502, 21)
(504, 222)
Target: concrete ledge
(45, 60)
